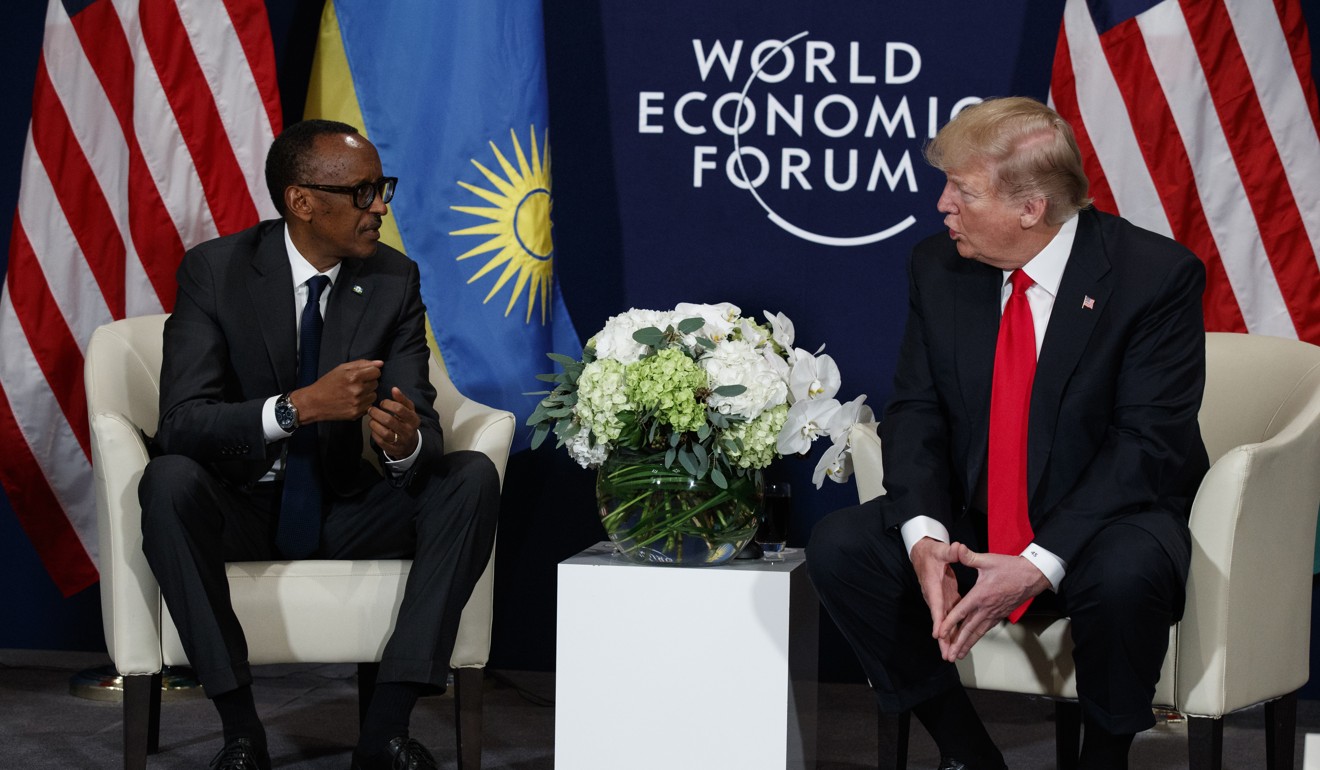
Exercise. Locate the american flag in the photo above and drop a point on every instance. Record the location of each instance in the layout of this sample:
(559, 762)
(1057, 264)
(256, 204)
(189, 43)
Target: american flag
(150, 123)
(1198, 119)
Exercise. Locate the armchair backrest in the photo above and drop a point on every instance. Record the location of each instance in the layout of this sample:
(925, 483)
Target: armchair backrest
(1255, 386)
(122, 373)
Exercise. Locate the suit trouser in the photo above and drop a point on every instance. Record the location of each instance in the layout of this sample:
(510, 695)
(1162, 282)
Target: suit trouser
(192, 523)
(1122, 593)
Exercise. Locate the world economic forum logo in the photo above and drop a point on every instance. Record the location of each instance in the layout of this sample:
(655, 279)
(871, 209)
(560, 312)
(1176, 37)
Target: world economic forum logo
(521, 246)
(824, 136)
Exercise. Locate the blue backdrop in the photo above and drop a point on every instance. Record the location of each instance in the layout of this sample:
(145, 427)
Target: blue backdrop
(648, 212)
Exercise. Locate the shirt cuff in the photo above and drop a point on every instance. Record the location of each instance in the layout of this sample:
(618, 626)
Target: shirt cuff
(1050, 565)
(397, 467)
(917, 527)
(269, 425)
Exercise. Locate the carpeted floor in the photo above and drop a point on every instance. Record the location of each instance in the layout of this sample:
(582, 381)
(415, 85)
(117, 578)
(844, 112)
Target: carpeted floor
(310, 714)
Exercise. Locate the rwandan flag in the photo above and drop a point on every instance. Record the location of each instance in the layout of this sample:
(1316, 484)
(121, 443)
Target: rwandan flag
(453, 95)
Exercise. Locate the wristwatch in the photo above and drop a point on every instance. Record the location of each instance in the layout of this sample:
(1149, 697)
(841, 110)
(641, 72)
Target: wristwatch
(286, 414)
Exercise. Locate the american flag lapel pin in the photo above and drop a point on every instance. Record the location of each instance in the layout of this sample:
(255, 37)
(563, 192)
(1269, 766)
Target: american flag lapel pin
(1088, 303)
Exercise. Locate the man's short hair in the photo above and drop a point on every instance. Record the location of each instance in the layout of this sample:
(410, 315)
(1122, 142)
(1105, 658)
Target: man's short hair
(289, 161)
(1030, 151)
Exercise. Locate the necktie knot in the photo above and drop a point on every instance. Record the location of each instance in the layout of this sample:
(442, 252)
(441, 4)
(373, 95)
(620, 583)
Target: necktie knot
(1021, 281)
(315, 285)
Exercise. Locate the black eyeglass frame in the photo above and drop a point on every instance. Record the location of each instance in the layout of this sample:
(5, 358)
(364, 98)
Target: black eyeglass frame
(363, 194)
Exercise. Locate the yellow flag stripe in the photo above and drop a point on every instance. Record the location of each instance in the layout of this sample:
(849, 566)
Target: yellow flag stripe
(332, 96)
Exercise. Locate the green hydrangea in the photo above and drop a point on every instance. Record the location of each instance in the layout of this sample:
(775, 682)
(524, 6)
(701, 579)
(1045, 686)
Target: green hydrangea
(758, 438)
(601, 397)
(666, 383)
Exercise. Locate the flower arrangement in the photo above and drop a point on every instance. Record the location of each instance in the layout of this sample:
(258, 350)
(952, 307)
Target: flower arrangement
(718, 394)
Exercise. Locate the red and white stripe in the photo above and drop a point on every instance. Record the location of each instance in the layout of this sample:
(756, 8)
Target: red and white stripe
(1198, 119)
(150, 124)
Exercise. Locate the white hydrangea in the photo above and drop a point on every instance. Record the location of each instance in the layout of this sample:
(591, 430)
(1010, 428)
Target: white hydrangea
(738, 362)
(580, 449)
(616, 341)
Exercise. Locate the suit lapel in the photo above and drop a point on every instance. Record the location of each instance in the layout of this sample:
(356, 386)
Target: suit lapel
(343, 313)
(1071, 323)
(976, 320)
(270, 286)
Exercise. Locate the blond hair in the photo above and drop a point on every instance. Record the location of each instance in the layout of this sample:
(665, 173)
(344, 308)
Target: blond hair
(1030, 151)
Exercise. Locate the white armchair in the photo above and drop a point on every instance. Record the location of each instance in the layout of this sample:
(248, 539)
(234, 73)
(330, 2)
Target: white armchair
(292, 611)
(1245, 634)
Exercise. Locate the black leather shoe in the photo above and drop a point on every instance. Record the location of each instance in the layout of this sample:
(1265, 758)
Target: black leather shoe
(241, 754)
(949, 763)
(400, 754)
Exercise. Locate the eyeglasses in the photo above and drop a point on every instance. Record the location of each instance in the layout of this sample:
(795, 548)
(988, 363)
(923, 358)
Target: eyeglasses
(363, 194)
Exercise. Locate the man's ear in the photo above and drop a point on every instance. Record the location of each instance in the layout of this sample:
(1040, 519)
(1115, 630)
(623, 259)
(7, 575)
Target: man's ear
(1032, 212)
(298, 203)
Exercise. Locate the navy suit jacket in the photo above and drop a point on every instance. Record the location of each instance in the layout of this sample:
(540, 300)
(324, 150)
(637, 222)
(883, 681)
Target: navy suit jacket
(231, 344)
(1113, 420)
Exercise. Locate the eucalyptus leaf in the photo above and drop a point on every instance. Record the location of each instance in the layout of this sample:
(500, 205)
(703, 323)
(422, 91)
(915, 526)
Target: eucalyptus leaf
(730, 390)
(717, 476)
(686, 460)
(690, 325)
(649, 336)
(560, 358)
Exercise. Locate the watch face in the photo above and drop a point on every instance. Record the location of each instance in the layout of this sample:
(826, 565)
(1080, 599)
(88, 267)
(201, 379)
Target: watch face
(285, 414)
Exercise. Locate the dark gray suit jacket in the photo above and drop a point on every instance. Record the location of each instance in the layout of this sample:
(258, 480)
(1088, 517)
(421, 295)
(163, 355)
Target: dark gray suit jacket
(230, 345)
(1113, 423)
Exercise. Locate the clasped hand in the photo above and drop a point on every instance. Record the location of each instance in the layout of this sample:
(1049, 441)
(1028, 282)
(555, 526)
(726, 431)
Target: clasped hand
(347, 392)
(1002, 583)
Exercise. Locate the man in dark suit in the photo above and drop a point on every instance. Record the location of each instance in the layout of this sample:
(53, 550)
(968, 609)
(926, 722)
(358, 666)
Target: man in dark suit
(1087, 451)
(283, 337)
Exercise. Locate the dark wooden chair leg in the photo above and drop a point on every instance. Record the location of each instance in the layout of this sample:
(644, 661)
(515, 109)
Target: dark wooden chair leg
(1205, 743)
(892, 734)
(467, 716)
(1067, 734)
(141, 719)
(366, 688)
(1280, 732)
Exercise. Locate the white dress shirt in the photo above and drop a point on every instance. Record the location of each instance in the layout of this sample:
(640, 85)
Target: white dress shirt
(302, 272)
(1046, 270)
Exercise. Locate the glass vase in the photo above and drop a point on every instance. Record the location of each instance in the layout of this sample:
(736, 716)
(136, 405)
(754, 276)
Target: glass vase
(659, 515)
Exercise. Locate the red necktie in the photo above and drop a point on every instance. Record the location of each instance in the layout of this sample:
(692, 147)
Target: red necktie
(1010, 400)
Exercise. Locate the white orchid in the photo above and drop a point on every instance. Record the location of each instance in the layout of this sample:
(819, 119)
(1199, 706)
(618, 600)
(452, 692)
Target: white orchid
(848, 415)
(753, 332)
(836, 462)
(781, 329)
(813, 377)
(807, 421)
(720, 318)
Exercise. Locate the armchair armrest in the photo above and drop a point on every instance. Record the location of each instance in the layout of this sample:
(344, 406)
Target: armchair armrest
(868, 467)
(130, 597)
(1253, 535)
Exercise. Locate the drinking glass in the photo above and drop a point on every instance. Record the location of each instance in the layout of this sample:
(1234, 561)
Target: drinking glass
(772, 535)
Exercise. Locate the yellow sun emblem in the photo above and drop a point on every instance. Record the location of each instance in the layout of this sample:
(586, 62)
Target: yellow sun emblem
(519, 225)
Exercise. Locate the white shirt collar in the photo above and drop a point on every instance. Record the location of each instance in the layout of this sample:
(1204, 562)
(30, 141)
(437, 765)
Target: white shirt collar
(1046, 268)
(301, 268)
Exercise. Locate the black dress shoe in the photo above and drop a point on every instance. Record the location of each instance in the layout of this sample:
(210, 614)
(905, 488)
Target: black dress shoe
(400, 754)
(949, 763)
(241, 754)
